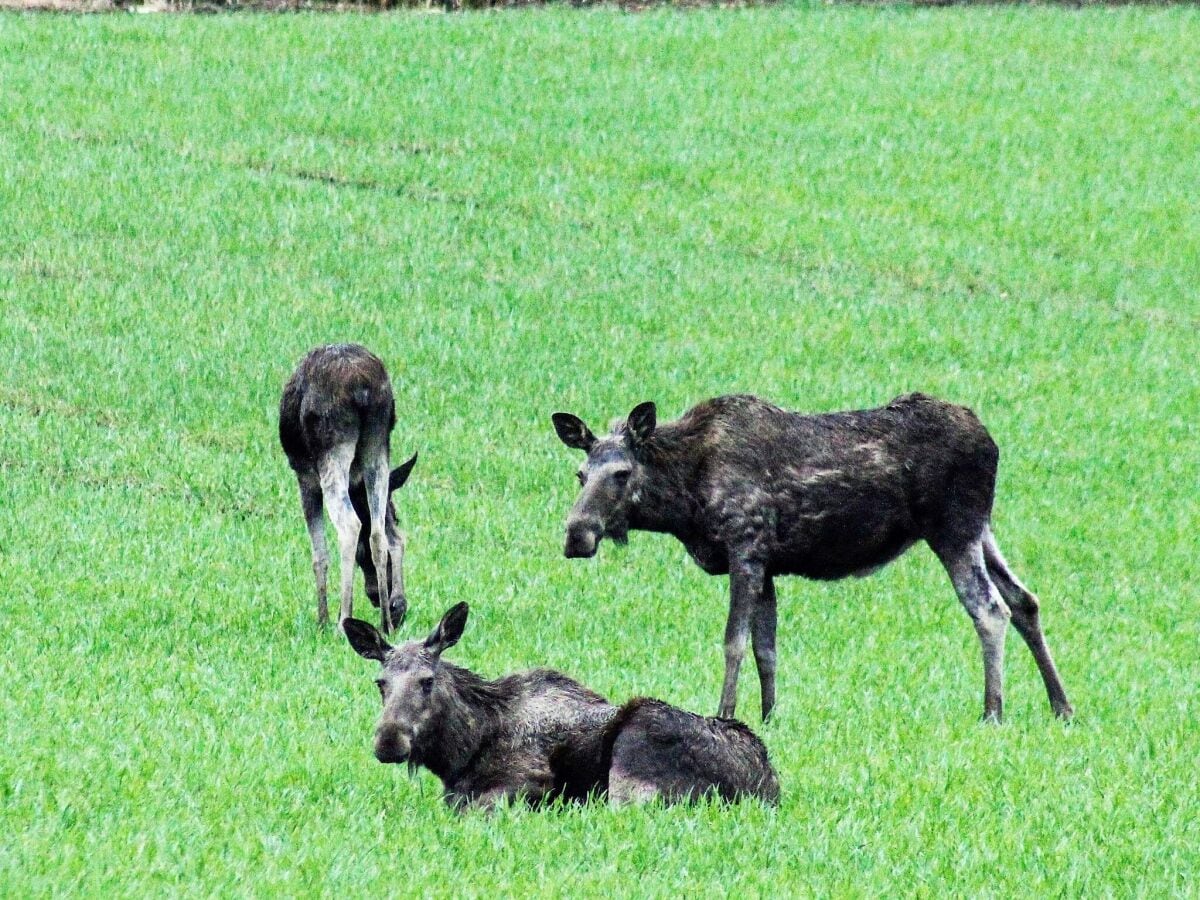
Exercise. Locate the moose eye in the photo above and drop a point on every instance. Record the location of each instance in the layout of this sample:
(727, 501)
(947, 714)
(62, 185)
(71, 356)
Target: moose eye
(621, 478)
(426, 684)
(382, 685)
(582, 477)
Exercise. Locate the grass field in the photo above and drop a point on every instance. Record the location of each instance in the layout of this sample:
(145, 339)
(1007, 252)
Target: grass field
(562, 209)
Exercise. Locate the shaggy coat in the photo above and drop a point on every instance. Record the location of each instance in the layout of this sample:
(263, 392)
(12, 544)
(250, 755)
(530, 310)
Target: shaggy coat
(539, 735)
(753, 491)
(655, 750)
(336, 417)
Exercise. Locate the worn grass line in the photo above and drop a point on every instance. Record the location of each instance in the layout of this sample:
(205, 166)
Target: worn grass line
(361, 184)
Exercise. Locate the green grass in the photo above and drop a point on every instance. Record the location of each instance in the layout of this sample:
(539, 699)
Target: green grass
(558, 209)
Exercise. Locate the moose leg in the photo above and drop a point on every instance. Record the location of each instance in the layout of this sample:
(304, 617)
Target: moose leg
(624, 790)
(375, 480)
(745, 590)
(762, 631)
(335, 485)
(1027, 620)
(528, 779)
(310, 500)
(398, 599)
(989, 613)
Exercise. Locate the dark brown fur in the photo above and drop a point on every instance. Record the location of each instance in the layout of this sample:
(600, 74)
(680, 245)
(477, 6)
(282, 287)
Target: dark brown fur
(753, 491)
(336, 417)
(655, 750)
(539, 735)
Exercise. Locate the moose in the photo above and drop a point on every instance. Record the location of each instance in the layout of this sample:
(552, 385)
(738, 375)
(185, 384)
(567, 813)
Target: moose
(538, 736)
(753, 492)
(336, 417)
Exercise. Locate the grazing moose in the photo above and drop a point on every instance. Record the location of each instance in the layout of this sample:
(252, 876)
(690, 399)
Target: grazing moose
(754, 492)
(539, 735)
(335, 422)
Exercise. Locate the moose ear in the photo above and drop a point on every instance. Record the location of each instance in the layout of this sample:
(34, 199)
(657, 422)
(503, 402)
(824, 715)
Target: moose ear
(572, 431)
(449, 630)
(366, 641)
(641, 422)
(400, 474)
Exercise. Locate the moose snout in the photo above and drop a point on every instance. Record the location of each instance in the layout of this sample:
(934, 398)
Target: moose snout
(391, 745)
(582, 539)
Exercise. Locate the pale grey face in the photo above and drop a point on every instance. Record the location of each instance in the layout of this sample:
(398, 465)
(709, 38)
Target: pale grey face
(608, 477)
(414, 685)
(408, 686)
(607, 480)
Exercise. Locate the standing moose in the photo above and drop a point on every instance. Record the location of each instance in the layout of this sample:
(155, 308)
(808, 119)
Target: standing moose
(335, 423)
(753, 491)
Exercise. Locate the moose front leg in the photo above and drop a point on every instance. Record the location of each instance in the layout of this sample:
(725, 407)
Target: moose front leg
(745, 591)
(762, 630)
(530, 783)
(397, 598)
(487, 801)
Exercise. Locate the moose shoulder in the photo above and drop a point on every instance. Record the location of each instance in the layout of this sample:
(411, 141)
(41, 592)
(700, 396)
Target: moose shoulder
(754, 491)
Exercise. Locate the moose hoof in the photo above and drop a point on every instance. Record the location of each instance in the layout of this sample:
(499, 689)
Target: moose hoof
(398, 607)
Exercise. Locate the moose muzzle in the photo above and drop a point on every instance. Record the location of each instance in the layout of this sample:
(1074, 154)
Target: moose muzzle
(582, 539)
(391, 745)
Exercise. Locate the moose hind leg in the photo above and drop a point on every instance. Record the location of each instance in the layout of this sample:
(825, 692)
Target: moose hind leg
(988, 612)
(624, 790)
(375, 480)
(762, 633)
(335, 485)
(1026, 618)
(310, 501)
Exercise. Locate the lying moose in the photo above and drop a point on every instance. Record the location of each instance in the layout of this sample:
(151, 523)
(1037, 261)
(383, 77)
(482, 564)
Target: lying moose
(539, 735)
(753, 491)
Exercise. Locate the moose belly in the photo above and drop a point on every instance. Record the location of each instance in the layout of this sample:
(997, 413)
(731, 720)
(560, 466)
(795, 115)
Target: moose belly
(850, 541)
(836, 561)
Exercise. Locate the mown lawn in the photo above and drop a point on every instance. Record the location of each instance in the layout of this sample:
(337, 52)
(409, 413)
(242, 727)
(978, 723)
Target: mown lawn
(564, 209)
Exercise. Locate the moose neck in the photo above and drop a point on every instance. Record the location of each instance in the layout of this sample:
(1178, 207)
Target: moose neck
(470, 720)
(664, 501)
